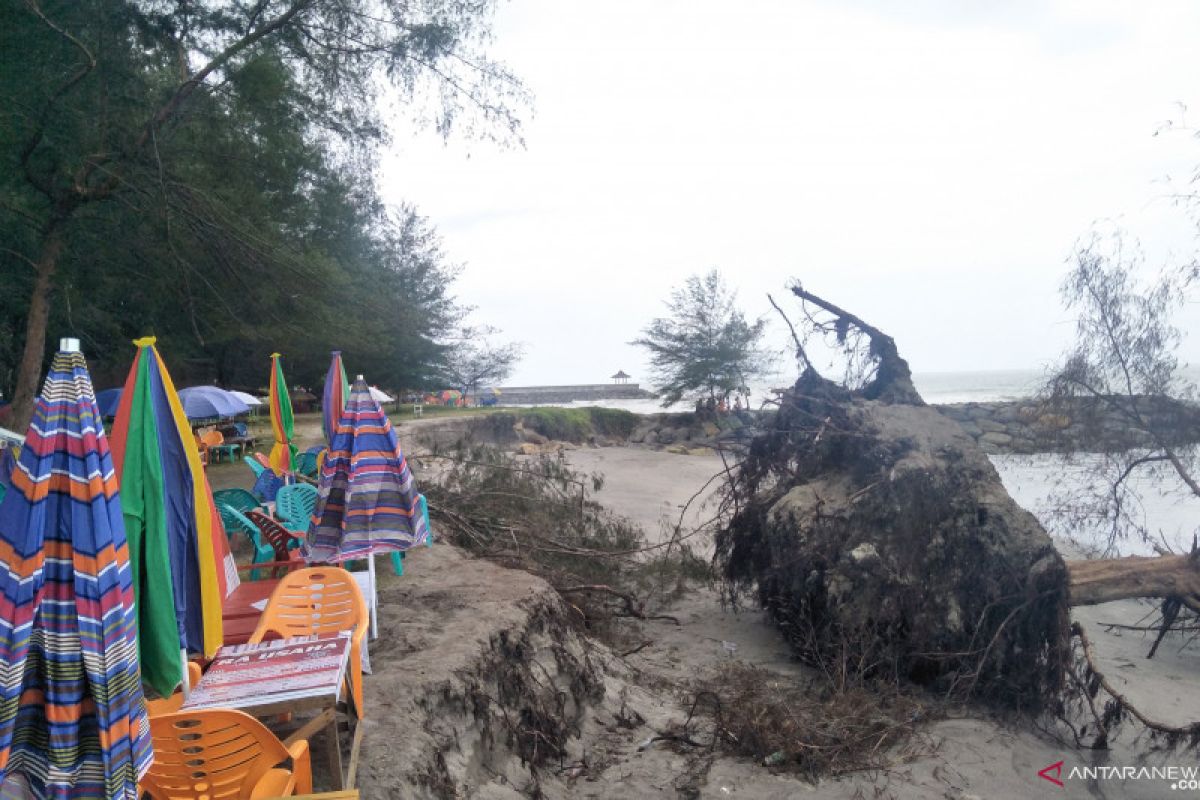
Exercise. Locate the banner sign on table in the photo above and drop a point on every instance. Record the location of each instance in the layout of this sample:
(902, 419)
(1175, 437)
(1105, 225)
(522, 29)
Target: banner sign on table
(272, 672)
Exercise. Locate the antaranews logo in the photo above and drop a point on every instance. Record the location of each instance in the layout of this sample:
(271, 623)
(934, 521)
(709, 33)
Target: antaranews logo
(1053, 773)
(1181, 778)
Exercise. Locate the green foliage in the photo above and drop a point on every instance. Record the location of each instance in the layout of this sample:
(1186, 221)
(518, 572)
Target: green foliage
(204, 172)
(706, 347)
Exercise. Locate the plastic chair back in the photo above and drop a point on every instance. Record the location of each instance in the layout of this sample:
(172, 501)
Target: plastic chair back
(255, 467)
(239, 499)
(235, 521)
(282, 540)
(306, 464)
(241, 429)
(267, 486)
(295, 505)
(397, 555)
(319, 600)
(217, 754)
(213, 438)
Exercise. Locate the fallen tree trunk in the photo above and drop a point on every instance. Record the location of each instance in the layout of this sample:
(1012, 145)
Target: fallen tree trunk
(1107, 579)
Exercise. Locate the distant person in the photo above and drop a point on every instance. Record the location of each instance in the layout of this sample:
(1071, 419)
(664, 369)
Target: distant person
(737, 403)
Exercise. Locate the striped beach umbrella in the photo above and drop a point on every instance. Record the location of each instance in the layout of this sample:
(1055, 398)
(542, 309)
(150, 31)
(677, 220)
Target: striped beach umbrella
(72, 716)
(367, 501)
(169, 518)
(283, 453)
(337, 392)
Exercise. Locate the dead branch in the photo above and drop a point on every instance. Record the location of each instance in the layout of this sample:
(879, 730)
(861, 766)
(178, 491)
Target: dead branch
(633, 608)
(893, 379)
(1192, 730)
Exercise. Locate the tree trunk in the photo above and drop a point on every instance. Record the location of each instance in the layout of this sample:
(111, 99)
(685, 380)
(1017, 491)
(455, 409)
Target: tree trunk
(29, 371)
(1104, 580)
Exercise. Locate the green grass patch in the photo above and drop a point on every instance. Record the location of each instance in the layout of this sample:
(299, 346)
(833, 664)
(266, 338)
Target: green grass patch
(577, 424)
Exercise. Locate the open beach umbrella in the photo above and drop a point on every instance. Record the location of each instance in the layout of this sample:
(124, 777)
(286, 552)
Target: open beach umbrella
(108, 400)
(379, 395)
(211, 402)
(367, 500)
(168, 512)
(72, 716)
(283, 453)
(337, 392)
(250, 400)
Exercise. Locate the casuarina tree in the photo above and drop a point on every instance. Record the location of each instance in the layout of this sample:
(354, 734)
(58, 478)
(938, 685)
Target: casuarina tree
(705, 347)
(98, 98)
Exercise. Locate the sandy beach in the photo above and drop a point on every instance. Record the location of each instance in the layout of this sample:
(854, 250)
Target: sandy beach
(442, 619)
(976, 756)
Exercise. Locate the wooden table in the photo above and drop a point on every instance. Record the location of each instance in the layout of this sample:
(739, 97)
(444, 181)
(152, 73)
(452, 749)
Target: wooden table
(304, 673)
(241, 610)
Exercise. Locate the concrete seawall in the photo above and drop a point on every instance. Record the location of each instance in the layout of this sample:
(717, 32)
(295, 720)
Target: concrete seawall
(524, 395)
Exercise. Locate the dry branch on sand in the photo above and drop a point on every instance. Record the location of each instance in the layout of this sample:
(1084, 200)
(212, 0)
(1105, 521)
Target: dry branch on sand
(811, 731)
(534, 515)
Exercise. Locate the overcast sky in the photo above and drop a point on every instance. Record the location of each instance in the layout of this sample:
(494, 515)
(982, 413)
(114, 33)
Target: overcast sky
(927, 168)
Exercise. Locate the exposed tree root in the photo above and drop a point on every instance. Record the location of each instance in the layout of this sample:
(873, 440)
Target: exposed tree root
(1119, 706)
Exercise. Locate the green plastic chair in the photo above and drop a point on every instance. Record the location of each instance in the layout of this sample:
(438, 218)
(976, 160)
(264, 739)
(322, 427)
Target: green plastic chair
(238, 499)
(235, 521)
(295, 504)
(255, 467)
(398, 555)
(306, 464)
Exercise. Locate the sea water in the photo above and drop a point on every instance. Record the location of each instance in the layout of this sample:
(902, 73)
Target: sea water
(935, 387)
(1039, 483)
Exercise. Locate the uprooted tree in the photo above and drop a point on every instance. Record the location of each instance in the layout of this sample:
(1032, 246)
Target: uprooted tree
(881, 541)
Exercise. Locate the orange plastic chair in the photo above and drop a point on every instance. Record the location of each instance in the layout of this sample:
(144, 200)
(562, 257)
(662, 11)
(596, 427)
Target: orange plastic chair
(319, 600)
(202, 447)
(169, 705)
(222, 754)
(214, 440)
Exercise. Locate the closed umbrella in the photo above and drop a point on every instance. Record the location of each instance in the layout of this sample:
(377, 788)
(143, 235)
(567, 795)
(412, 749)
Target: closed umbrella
(283, 453)
(72, 716)
(337, 391)
(167, 503)
(367, 501)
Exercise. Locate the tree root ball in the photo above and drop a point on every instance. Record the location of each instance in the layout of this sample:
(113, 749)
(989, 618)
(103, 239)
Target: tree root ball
(881, 541)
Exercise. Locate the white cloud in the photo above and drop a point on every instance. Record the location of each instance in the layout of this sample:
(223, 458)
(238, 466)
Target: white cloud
(929, 170)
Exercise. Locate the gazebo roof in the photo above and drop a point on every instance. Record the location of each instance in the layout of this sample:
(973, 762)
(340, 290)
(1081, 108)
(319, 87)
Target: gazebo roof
(620, 374)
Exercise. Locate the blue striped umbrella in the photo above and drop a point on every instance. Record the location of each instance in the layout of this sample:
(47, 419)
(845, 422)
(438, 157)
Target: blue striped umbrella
(72, 716)
(367, 502)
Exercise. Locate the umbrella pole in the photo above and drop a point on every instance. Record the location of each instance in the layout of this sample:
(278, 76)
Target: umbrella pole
(183, 664)
(372, 600)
